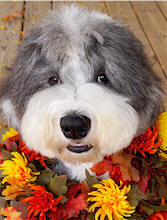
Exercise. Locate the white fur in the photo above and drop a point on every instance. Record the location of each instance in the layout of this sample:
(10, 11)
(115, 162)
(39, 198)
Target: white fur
(114, 122)
(69, 17)
(77, 172)
(9, 113)
(68, 42)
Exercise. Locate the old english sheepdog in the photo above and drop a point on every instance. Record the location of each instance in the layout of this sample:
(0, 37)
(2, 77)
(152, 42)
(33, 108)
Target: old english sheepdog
(81, 88)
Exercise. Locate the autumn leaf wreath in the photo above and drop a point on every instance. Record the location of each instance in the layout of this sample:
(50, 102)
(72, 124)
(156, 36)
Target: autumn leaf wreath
(136, 189)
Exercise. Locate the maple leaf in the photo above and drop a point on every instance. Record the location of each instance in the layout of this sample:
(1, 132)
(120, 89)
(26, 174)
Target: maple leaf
(58, 185)
(135, 195)
(10, 213)
(76, 201)
(102, 167)
(45, 176)
(119, 167)
(128, 172)
(90, 180)
(72, 208)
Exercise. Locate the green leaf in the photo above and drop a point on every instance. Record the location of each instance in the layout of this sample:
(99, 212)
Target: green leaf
(58, 185)
(45, 177)
(6, 154)
(90, 216)
(136, 216)
(90, 180)
(159, 162)
(135, 195)
(155, 208)
(32, 167)
(162, 191)
(148, 210)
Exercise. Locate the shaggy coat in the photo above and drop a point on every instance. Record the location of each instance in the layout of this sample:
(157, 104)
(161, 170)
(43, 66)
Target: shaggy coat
(81, 63)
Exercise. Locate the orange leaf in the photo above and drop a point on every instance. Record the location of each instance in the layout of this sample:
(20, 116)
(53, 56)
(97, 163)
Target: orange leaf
(6, 18)
(102, 167)
(10, 213)
(124, 161)
(15, 14)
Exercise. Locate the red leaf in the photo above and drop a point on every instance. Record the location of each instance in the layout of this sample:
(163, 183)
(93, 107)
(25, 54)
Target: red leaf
(102, 167)
(143, 183)
(85, 189)
(76, 201)
(157, 216)
(75, 205)
(72, 208)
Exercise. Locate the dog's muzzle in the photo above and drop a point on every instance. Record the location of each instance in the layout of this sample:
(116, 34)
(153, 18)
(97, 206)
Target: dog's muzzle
(76, 127)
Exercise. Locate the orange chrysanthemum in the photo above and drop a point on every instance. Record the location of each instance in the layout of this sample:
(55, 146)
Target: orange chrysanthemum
(145, 143)
(18, 175)
(157, 216)
(17, 169)
(41, 202)
(31, 154)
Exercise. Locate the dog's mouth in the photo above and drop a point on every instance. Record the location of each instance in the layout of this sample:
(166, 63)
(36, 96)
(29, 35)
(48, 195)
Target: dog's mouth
(79, 148)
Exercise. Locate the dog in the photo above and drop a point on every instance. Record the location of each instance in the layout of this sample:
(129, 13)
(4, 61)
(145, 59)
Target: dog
(81, 88)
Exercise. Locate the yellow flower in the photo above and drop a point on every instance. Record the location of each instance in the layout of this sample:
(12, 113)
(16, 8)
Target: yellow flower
(17, 170)
(12, 191)
(162, 133)
(9, 134)
(163, 154)
(10, 213)
(110, 199)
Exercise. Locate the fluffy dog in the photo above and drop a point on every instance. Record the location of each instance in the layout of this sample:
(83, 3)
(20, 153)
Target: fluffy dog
(81, 88)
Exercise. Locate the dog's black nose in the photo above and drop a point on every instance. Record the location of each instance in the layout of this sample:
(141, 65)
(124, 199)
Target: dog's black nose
(74, 126)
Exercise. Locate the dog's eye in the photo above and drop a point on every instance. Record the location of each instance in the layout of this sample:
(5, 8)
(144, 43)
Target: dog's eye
(54, 81)
(102, 78)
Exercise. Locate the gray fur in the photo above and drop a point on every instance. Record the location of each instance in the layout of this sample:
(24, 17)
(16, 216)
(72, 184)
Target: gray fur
(100, 43)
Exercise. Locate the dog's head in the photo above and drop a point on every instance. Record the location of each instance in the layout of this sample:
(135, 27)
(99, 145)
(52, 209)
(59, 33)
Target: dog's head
(81, 87)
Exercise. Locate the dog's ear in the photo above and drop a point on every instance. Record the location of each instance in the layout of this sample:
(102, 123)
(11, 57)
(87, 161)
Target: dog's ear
(130, 71)
(12, 82)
